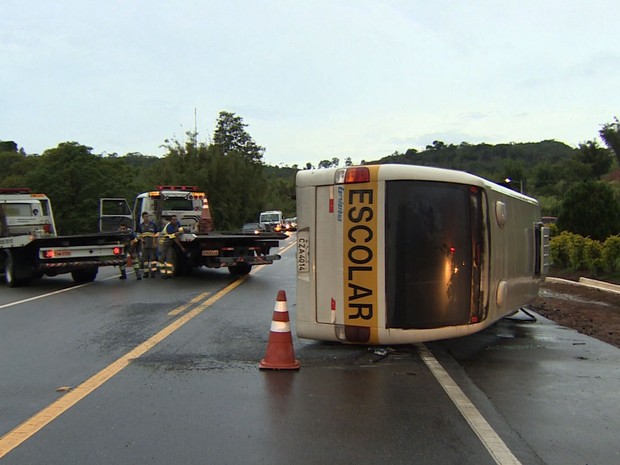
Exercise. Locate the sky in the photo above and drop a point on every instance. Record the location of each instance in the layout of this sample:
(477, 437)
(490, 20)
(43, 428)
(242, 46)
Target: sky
(313, 80)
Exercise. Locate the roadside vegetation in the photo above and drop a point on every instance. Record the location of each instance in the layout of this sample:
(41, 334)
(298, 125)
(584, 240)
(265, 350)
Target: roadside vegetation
(580, 186)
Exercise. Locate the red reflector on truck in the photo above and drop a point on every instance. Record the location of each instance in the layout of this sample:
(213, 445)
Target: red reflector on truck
(57, 253)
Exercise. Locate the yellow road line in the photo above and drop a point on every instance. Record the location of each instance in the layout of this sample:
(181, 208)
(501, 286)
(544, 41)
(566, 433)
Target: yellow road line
(30, 427)
(180, 308)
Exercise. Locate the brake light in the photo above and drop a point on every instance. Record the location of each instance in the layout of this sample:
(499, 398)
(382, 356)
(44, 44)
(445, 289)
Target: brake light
(49, 254)
(352, 175)
(117, 250)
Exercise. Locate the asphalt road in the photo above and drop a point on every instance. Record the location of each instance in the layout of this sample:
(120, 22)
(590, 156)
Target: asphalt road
(163, 372)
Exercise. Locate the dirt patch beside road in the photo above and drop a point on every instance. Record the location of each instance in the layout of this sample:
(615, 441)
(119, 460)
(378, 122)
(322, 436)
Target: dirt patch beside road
(590, 311)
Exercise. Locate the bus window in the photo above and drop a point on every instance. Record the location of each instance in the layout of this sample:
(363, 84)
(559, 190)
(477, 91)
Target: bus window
(429, 255)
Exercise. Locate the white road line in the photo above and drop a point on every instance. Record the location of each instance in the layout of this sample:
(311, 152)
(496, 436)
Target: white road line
(285, 249)
(10, 304)
(491, 440)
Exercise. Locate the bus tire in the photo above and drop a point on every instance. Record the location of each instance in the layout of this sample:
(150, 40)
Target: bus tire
(240, 269)
(85, 275)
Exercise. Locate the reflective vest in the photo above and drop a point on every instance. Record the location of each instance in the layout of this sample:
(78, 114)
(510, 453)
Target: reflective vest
(166, 236)
(148, 235)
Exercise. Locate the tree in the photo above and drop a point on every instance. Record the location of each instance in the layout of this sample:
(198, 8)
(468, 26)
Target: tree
(230, 136)
(14, 166)
(610, 133)
(597, 159)
(70, 176)
(8, 146)
(235, 184)
(436, 146)
(590, 210)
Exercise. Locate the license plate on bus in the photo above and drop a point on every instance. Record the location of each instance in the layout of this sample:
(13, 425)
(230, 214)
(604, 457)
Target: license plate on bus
(303, 249)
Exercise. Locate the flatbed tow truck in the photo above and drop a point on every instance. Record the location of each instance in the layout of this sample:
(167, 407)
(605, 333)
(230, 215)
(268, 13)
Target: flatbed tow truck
(30, 247)
(203, 245)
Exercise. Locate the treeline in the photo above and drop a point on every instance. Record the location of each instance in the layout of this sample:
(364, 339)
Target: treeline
(230, 169)
(579, 185)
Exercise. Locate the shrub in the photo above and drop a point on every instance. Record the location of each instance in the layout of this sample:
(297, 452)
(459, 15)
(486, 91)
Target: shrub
(611, 254)
(592, 255)
(559, 249)
(574, 252)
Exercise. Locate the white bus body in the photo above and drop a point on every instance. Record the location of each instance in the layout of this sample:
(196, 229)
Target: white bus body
(393, 254)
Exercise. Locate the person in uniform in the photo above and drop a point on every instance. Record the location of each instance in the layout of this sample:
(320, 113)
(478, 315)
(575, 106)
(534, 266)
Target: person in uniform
(168, 236)
(131, 249)
(148, 234)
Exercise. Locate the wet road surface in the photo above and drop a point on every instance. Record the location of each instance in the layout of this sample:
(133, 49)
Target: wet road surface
(195, 394)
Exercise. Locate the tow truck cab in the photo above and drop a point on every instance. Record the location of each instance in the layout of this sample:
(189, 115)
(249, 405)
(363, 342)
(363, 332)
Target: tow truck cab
(25, 213)
(185, 202)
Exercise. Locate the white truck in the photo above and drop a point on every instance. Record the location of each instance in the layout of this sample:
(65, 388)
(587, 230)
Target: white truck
(203, 246)
(30, 247)
(271, 220)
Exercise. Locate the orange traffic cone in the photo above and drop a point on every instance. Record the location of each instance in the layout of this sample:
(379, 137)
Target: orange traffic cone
(280, 353)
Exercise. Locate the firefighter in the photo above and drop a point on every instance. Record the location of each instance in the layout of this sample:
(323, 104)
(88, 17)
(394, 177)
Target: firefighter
(131, 249)
(168, 237)
(148, 234)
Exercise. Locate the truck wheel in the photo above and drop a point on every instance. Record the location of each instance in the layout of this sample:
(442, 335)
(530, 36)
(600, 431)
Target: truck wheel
(180, 263)
(14, 275)
(240, 269)
(85, 275)
(9, 271)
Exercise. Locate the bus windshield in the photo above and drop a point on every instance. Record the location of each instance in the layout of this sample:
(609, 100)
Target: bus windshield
(432, 230)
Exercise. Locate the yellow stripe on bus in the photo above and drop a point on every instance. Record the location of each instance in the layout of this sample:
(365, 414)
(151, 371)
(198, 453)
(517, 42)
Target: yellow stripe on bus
(360, 238)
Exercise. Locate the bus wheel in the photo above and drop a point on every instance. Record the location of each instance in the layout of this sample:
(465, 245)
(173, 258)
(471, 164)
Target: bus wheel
(240, 269)
(84, 275)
